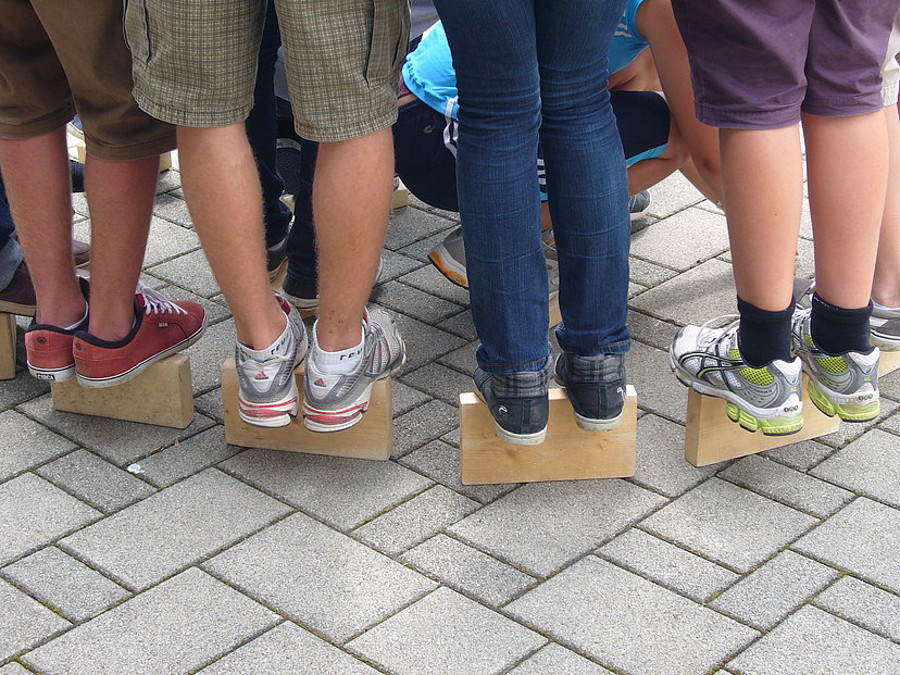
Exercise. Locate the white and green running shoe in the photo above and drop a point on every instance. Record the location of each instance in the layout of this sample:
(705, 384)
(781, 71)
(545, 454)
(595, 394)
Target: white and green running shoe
(707, 358)
(845, 384)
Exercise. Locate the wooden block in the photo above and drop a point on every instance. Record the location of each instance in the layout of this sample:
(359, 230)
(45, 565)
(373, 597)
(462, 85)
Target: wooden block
(165, 160)
(400, 197)
(7, 346)
(568, 452)
(160, 395)
(890, 361)
(555, 315)
(371, 438)
(712, 437)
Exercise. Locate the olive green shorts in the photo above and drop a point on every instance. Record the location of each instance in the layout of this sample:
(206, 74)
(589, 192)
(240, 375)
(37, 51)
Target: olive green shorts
(59, 57)
(195, 61)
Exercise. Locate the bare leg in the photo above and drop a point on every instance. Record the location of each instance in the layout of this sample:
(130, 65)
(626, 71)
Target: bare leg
(762, 177)
(221, 185)
(120, 195)
(38, 185)
(886, 288)
(351, 200)
(847, 182)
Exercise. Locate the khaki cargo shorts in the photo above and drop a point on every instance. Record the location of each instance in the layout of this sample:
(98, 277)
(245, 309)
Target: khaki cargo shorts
(195, 61)
(57, 58)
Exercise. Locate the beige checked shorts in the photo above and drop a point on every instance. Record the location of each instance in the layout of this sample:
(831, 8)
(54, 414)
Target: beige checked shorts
(195, 61)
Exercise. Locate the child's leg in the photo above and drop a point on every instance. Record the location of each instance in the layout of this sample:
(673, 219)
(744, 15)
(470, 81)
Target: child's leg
(847, 165)
(886, 287)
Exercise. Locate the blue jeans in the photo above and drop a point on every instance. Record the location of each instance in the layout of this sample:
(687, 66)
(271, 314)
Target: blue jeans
(530, 71)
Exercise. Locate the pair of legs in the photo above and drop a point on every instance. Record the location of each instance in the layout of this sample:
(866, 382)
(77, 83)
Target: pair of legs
(351, 200)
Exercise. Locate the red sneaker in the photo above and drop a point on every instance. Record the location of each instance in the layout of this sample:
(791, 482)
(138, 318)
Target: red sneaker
(162, 327)
(48, 351)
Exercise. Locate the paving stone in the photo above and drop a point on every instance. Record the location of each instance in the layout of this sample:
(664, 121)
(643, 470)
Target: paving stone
(468, 570)
(461, 325)
(556, 660)
(411, 225)
(419, 250)
(319, 577)
(672, 195)
(24, 622)
(863, 604)
(787, 486)
(207, 355)
(801, 456)
(417, 304)
(118, 442)
(168, 240)
(862, 538)
(288, 650)
(14, 668)
(892, 423)
(446, 633)
(440, 461)
(658, 390)
(651, 331)
(210, 404)
(415, 520)
(674, 243)
(850, 432)
(870, 466)
(70, 586)
(647, 273)
(667, 565)
(26, 444)
(440, 382)
(515, 528)
(728, 524)
(406, 398)
(173, 529)
(771, 592)
(425, 343)
(190, 271)
(343, 492)
(175, 627)
(423, 424)
(173, 208)
(23, 388)
(813, 641)
(695, 296)
(629, 623)
(660, 458)
(188, 457)
(428, 279)
(396, 265)
(103, 485)
(34, 512)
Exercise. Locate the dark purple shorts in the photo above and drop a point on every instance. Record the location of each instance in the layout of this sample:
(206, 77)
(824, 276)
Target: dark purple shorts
(756, 64)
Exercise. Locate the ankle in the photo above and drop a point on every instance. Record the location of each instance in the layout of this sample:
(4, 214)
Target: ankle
(261, 335)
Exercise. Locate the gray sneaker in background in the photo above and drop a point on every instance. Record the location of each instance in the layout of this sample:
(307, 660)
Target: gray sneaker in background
(884, 328)
(268, 395)
(336, 402)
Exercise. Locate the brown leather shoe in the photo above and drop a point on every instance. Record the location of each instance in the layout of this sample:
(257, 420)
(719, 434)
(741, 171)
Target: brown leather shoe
(18, 297)
(81, 251)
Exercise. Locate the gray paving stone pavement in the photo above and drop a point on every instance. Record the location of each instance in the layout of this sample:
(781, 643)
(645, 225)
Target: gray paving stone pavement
(127, 548)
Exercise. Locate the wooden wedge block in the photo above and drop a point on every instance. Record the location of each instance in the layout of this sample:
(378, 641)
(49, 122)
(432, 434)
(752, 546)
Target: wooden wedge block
(555, 315)
(890, 361)
(399, 198)
(568, 452)
(712, 437)
(7, 346)
(165, 159)
(372, 438)
(161, 395)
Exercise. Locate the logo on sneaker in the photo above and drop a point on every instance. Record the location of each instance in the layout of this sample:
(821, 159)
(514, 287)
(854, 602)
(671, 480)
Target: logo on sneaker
(621, 392)
(261, 375)
(319, 382)
(502, 410)
(163, 324)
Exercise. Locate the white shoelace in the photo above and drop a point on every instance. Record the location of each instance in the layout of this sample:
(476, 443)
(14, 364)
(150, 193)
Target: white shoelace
(155, 302)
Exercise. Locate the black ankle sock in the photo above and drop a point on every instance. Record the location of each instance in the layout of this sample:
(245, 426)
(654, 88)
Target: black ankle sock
(763, 335)
(836, 330)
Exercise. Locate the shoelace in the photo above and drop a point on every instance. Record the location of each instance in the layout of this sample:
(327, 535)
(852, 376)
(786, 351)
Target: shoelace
(155, 302)
(728, 322)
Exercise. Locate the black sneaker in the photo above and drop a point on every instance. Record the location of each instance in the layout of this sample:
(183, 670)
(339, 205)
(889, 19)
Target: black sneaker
(301, 293)
(518, 403)
(275, 257)
(596, 388)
